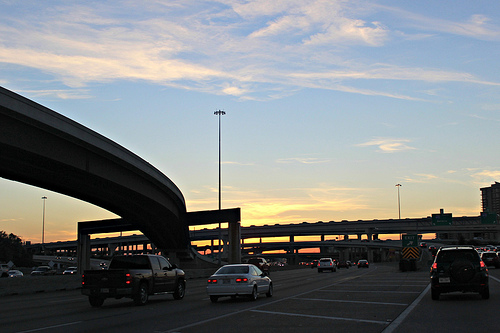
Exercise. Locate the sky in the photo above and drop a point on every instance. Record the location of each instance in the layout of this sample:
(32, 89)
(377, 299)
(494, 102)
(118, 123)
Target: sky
(329, 104)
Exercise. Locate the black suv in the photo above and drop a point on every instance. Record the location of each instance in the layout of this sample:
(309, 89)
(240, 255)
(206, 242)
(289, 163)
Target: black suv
(459, 268)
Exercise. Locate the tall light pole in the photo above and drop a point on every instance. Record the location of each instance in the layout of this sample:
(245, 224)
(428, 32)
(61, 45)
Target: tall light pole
(399, 201)
(399, 206)
(43, 221)
(219, 113)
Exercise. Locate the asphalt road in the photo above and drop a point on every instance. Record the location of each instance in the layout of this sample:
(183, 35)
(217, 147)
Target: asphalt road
(377, 299)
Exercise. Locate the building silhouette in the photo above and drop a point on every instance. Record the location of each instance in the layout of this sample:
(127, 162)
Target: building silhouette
(491, 198)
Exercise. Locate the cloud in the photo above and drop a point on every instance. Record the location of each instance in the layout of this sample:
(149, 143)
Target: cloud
(387, 145)
(303, 160)
(250, 50)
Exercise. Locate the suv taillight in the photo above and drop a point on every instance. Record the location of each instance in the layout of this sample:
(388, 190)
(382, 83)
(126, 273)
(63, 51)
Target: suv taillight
(434, 267)
(483, 265)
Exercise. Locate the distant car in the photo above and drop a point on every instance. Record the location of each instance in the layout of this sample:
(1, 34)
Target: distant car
(344, 264)
(239, 280)
(70, 270)
(326, 264)
(43, 270)
(491, 259)
(13, 273)
(314, 263)
(363, 263)
(423, 244)
(459, 268)
(261, 263)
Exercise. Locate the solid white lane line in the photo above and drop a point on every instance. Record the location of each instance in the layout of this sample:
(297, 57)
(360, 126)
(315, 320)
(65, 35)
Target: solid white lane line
(322, 317)
(50, 327)
(371, 291)
(396, 322)
(343, 301)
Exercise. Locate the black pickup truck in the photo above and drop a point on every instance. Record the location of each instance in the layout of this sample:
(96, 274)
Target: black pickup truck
(136, 277)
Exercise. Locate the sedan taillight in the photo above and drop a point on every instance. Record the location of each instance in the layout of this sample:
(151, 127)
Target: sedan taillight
(241, 280)
(212, 280)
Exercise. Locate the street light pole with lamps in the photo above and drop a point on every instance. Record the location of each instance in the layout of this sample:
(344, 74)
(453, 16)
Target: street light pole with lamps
(43, 221)
(399, 201)
(219, 113)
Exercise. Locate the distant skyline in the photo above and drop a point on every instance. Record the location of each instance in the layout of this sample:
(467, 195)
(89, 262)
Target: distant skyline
(329, 104)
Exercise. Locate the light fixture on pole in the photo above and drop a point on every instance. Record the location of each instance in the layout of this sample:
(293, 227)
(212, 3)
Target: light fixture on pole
(219, 113)
(43, 221)
(399, 201)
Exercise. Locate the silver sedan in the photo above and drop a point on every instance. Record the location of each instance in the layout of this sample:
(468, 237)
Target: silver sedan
(239, 280)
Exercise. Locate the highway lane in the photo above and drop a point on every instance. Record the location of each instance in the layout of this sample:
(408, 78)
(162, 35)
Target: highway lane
(377, 299)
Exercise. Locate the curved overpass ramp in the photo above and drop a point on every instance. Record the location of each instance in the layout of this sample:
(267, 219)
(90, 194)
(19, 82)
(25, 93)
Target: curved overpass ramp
(43, 148)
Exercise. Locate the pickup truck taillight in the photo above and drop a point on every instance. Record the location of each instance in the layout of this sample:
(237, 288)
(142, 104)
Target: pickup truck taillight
(83, 279)
(128, 278)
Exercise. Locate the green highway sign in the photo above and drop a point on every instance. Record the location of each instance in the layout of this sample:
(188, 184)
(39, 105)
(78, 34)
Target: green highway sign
(489, 218)
(409, 240)
(442, 219)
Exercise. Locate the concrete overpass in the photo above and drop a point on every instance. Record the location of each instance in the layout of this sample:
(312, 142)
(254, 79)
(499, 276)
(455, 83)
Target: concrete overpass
(43, 148)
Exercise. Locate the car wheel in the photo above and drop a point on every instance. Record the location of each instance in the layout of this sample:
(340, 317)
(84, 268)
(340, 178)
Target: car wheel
(270, 291)
(95, 301)
(180, 290)
(141, 297)
(214, 299)
(254, 294)
(485, 293)
(435, 294)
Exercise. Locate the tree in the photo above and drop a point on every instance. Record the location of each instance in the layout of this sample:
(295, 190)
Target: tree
(11, 249)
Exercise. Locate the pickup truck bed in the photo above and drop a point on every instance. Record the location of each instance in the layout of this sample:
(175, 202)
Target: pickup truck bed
(134, 277)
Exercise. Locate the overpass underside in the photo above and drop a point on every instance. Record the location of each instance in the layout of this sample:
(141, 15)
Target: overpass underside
(42, 148)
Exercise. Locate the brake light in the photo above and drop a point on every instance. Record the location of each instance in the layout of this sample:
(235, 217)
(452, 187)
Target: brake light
(483, 265)
(128, 278)
(212, 280)
(434, 266)
(240, 280)
(83, 279)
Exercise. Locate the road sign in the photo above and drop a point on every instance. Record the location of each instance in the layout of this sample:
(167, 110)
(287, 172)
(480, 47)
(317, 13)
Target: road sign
(442, 219)
(410, 240)
(488, 218)
(411, 253)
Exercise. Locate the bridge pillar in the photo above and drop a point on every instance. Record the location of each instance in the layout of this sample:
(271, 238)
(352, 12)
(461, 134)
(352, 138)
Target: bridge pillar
(234, 256)
(369, 254)
(322, 238)
(83, 252)
(292, 239)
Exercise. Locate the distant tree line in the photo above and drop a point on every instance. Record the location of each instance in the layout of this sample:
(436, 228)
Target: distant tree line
(11, 249)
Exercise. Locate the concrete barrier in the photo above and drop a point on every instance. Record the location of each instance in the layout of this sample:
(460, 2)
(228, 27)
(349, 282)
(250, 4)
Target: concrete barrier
(36, 284)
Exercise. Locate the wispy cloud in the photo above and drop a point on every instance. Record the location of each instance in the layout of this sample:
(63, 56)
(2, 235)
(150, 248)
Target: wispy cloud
(303, 160)
(226, 47)
(388, 145)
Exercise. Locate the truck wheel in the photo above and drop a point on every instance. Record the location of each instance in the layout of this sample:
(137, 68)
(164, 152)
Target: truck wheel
(95, 301)
(141, 297)
(180, 289)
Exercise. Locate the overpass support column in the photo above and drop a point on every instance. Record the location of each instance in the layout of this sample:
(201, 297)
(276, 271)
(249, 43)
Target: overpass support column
(83, 252)
(292, 239)
(369, 254)
(234, 256)
(322, 238)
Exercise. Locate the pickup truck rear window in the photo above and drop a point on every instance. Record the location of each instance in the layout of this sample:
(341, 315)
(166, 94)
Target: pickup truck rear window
(130, 262)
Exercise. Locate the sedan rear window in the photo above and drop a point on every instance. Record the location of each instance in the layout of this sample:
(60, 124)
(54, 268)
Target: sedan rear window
(233, 270)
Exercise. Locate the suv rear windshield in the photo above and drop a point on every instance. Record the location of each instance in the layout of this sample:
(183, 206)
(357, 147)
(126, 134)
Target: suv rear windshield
(450, 256)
